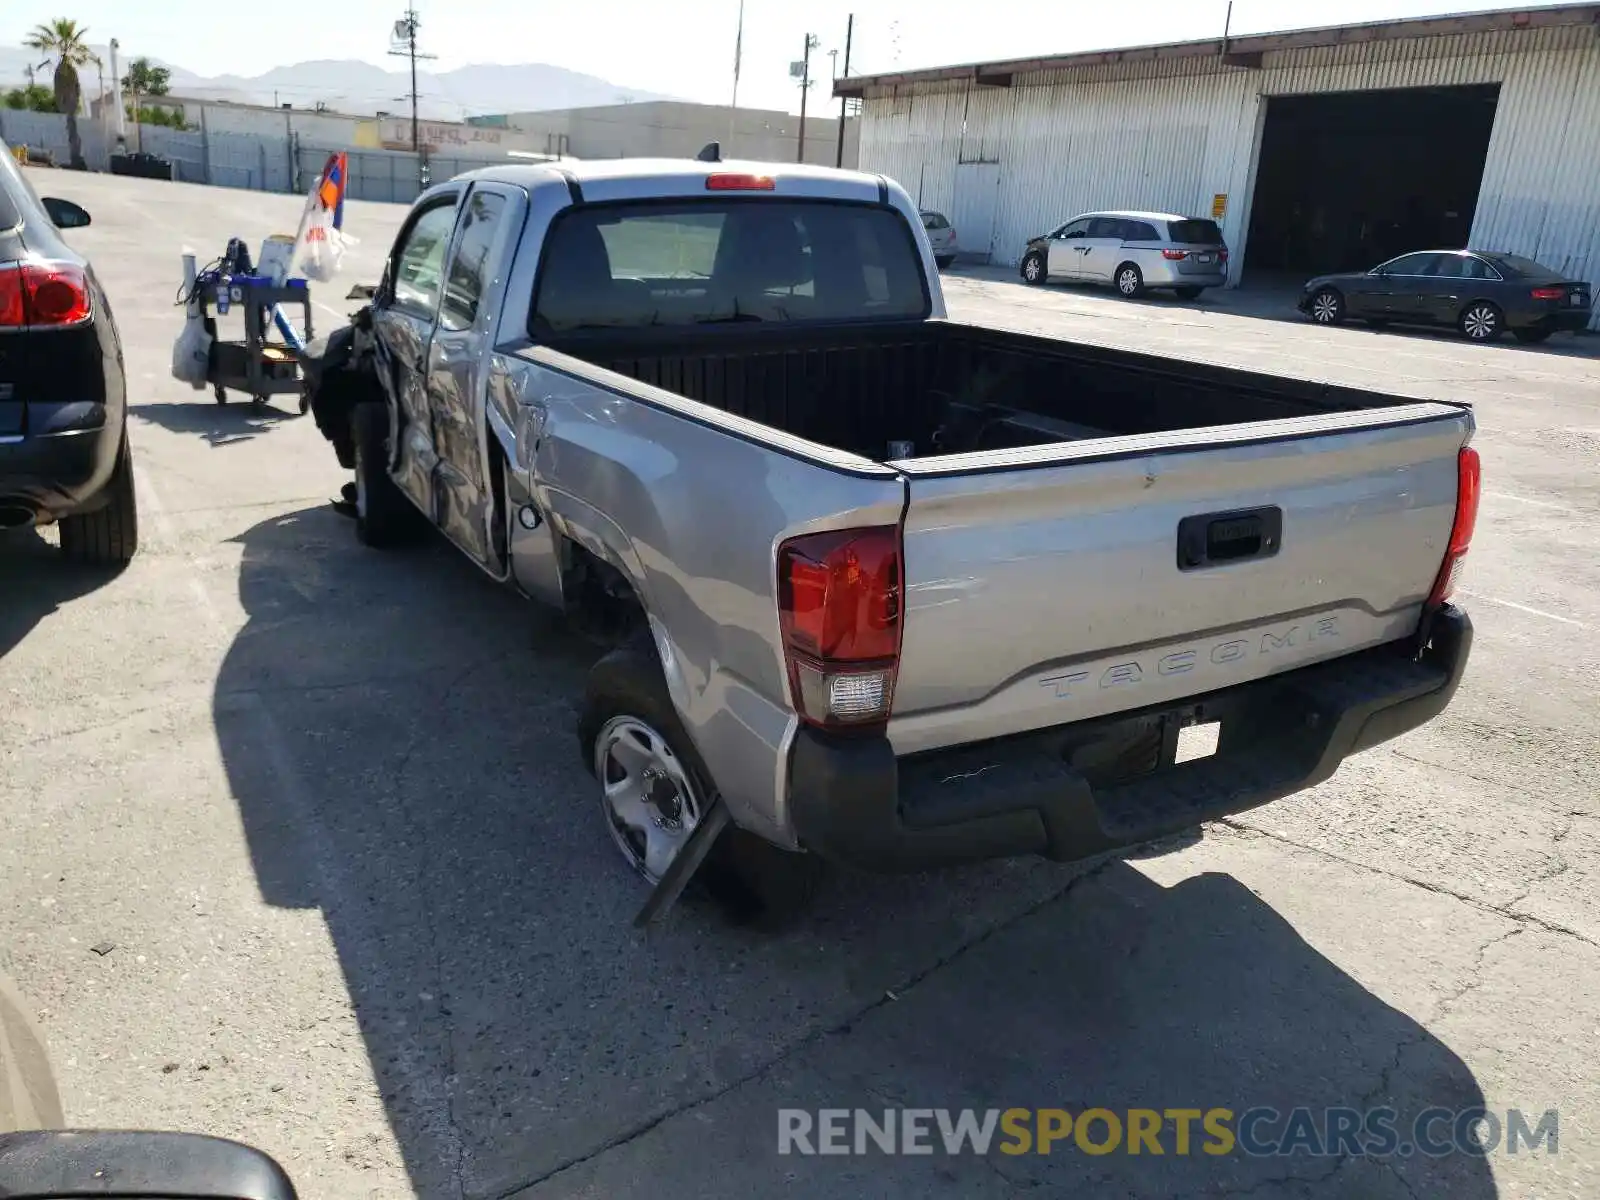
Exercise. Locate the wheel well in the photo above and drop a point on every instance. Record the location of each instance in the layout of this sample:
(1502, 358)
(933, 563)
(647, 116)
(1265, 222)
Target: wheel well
(600, 600)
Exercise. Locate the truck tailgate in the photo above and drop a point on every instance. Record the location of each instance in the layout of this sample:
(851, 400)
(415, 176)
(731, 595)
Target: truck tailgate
(1058, 583)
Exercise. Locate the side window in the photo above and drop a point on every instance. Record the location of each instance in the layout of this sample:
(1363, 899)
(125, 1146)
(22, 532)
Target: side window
(1476, 268)
(463, 288)
(1408, 264)
(1106, 227)
(1447, 266)
(419, 259)
(1074, 229)
(1140, 231)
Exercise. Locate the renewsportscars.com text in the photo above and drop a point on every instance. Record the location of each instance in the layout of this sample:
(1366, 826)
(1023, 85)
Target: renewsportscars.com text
(1255, 1132)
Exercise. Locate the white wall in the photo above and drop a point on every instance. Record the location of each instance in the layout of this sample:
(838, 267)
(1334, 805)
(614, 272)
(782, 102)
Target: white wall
(679, 130)
(1170, 135)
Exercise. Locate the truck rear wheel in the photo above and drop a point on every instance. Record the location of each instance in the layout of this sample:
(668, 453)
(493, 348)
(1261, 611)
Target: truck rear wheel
(654, 789)
(108, 536)
(384, 517)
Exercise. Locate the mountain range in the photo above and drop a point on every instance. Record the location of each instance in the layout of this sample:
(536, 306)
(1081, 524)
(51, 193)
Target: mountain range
(352, 86)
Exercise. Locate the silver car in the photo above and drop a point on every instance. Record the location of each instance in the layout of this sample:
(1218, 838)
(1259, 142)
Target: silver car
(942, 235)
(1132, 251)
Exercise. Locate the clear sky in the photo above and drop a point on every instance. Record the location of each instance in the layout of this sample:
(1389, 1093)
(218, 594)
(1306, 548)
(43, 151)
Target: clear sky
(681, 47)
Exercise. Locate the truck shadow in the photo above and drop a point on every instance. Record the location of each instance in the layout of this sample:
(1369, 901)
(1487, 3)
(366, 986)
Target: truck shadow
(398, 734)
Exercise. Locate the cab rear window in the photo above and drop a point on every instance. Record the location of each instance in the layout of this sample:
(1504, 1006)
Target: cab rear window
(726, 259)
(1195, 232)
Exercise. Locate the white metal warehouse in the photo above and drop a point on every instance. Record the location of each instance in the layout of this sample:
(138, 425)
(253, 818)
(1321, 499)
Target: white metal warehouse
(1316, 150)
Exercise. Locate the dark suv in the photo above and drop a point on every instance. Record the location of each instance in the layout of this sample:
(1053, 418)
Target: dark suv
(64, 454)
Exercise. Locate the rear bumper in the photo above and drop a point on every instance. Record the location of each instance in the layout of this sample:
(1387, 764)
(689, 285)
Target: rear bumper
(63, 466)
(1082, 790)
(1567, 320)
(1159, 272)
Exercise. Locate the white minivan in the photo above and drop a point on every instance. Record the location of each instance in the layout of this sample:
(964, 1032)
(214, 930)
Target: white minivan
(1132, 251)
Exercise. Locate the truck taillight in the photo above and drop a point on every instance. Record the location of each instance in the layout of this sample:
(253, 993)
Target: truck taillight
(839, 609)
(36, 293)
(1469, 486)
(729, 182)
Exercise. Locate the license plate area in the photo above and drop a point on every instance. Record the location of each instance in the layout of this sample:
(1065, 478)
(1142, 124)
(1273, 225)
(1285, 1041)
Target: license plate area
(1202, 258)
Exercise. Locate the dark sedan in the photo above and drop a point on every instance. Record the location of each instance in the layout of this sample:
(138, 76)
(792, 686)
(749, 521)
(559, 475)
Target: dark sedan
(64, 455)
(1482, 293)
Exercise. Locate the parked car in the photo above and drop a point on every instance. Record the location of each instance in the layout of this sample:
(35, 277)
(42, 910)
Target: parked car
(64, 454)
(1482, 293)
(942, 236)
(1132, 251)
(897, 590)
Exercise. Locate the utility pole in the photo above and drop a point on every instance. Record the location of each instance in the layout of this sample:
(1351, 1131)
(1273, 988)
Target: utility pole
(849, 31)
(403, 44)
(119, 127)
(812, 42)
(738, 56)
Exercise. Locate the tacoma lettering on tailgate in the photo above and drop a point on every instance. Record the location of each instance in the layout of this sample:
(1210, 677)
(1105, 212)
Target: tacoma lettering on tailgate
(1224, 653)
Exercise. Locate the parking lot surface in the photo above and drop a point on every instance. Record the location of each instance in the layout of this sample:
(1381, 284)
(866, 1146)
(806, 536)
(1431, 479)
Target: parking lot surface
(297, 847)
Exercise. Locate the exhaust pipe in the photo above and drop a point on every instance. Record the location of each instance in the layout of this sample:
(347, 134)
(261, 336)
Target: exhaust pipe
(15, 516)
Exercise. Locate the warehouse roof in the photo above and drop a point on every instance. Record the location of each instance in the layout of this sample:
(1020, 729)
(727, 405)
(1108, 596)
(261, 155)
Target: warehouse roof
(1243, 51)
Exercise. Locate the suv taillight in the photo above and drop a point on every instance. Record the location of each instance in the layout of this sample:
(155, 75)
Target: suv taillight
(1469, 486)
(36, 294)
(839, 610)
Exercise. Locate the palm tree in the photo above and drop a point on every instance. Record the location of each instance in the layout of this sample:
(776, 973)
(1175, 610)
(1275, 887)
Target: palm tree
(144, 78)
(64, 42)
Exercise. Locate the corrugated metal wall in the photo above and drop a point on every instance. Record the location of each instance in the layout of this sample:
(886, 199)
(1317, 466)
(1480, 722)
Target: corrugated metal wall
(1171, 135)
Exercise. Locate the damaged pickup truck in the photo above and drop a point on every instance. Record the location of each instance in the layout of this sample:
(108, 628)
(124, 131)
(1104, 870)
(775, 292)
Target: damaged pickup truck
(890, 589)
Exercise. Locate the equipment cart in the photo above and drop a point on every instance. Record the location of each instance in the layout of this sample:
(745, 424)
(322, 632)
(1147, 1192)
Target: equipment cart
(257, 367)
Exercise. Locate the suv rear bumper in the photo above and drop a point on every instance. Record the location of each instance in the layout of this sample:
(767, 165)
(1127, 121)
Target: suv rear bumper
(63, 467)
(1081, 790)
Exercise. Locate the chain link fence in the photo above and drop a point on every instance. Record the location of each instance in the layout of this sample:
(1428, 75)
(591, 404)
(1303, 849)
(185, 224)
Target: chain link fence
(237, 160)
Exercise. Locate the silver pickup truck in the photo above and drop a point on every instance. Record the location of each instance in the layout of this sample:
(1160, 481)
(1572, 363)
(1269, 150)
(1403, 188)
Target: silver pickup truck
(901, 590)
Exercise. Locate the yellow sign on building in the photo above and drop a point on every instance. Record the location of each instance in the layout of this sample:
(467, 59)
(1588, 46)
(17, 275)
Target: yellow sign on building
(1219, 206)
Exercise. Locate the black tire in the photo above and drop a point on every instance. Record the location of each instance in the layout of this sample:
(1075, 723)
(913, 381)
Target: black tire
(1327, 307)
(1129, 281)
(1531, 337)
(384, 517)
(108, 536)
(944, 260)
(1034, 268)
(221, 393)
(1188, 293)
(750, 879)
(1481, 321)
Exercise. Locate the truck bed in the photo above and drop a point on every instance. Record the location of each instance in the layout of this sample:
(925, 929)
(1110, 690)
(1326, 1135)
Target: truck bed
(947, 387)
(1089, 530)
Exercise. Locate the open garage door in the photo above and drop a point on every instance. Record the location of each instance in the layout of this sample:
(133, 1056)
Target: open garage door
(1348, 179)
